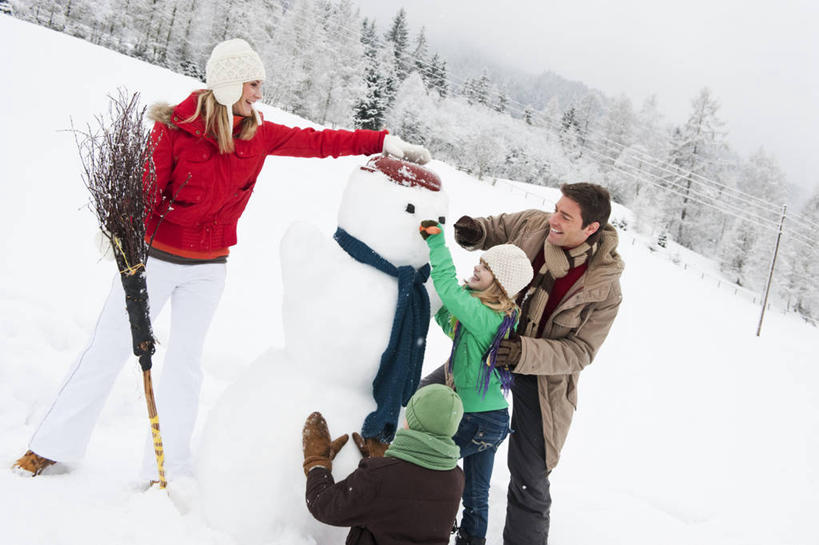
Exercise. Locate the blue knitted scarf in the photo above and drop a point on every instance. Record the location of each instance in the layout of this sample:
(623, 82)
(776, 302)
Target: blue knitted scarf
(400, 369)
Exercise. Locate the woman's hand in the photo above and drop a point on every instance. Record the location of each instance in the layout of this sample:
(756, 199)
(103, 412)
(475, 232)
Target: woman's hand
(396, 147)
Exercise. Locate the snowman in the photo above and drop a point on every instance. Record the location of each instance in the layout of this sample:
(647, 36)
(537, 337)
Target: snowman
(356, 312)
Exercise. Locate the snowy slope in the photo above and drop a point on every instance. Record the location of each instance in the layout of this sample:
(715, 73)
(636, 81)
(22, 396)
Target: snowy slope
(689, 429)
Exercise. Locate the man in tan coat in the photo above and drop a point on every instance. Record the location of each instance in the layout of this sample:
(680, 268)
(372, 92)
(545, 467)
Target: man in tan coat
(567, 312)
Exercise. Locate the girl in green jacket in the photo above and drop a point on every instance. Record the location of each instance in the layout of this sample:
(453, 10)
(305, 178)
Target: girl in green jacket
(477, 316)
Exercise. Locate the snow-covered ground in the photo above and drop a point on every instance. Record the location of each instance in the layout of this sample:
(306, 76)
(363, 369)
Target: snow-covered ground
(690, 429)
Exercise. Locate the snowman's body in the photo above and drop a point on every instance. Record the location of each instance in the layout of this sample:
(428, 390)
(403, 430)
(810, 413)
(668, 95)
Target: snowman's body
(338, 317)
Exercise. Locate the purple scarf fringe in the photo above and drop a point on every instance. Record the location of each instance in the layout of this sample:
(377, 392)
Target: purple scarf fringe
(485, 374)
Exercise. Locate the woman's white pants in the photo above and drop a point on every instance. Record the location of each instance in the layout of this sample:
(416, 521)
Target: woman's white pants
(194, 291)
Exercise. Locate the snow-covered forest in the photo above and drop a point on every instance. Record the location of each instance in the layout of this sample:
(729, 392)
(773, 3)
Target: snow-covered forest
(328, 63)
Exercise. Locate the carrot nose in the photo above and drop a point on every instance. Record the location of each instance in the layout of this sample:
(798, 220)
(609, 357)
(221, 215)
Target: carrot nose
(432, 230)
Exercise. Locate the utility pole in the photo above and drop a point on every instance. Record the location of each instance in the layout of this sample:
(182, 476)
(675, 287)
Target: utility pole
(773, 264)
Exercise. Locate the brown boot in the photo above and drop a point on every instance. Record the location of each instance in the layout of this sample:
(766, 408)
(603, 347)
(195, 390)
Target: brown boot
(32, 463)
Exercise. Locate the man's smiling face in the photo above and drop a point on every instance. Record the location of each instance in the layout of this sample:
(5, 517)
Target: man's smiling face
(566, 225)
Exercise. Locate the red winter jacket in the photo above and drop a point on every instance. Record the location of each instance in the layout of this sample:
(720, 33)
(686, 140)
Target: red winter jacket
(206, 209)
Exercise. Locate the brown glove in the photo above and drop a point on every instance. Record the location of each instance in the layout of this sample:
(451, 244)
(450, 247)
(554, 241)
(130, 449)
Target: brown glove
(429, 227)
(467, 231)
(509, 352)
(370, 447)
(319, 450)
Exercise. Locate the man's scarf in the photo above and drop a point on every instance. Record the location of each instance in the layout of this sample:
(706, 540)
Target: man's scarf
(400, 369)
(556, 264)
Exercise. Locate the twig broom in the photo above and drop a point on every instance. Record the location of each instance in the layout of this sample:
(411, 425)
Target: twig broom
(119, 172)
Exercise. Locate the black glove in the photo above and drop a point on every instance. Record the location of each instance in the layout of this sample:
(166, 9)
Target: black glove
(509, 352)
(429, 227)
(467, 231)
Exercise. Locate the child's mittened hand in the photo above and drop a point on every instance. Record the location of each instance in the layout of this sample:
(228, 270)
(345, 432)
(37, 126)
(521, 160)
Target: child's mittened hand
(429, 227)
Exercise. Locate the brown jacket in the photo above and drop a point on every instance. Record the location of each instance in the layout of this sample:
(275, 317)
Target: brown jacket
(387, 501)
(575, 330)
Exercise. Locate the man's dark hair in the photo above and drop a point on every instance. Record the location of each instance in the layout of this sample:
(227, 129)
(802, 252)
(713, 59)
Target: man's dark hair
(594, 201)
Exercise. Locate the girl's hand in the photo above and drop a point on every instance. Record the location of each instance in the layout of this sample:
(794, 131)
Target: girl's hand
(429, 227)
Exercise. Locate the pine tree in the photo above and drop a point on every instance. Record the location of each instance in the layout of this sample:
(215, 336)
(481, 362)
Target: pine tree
(398, 38)
(803, 257)
(420, 57)
(696, 149)
(644, 157)
(570, 133)
(339, 82)
(437, 76)
(587, 112)
(379, 81)
(412, 109)
(82, 19)
(468, 90)
(613, 147)
(502, 101)
(185, 51)
(481, 88)
(528, 114)
(618, 129)
(552, 115)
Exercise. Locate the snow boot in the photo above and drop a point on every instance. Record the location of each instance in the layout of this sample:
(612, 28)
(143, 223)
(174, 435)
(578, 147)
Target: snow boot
(32, 463)
(465, 539)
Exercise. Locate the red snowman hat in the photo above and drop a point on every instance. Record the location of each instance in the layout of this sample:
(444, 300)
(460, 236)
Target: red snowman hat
(404, 172)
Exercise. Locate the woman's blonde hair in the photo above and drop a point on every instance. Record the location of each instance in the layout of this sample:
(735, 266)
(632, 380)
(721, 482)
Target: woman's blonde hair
(217, 123)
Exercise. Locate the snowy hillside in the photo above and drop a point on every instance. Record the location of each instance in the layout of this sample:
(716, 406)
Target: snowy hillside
(690, 429)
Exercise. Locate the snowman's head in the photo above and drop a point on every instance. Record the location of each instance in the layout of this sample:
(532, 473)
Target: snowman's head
(384, 203)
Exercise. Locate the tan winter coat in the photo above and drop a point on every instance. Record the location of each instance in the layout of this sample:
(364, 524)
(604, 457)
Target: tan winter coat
(576, 328)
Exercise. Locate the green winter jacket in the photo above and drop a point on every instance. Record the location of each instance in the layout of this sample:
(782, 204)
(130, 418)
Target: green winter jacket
(479, 324)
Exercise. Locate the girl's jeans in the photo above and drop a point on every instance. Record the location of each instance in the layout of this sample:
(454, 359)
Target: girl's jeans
(479, 436)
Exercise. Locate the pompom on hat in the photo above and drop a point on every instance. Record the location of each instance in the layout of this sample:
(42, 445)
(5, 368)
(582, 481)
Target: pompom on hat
(231, 64)
(511, 267)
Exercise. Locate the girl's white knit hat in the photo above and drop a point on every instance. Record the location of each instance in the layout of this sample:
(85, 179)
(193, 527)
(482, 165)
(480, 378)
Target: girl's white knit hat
(511, 267)
(231, 64)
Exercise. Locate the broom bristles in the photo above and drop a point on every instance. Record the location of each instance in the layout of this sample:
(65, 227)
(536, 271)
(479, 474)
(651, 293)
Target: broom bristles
(118, 170)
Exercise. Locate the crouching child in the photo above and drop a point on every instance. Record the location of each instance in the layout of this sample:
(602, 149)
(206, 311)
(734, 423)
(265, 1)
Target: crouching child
(411, 495)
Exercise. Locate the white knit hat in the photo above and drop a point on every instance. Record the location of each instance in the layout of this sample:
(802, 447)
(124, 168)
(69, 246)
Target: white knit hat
(231, 64)
(511, 267)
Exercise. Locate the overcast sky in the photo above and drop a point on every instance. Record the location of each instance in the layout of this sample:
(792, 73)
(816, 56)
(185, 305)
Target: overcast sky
(760, 58)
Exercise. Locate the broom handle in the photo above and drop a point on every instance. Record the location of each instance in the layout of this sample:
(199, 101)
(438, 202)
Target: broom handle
(154, 418)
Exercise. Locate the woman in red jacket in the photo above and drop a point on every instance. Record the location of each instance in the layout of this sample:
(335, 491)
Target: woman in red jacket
(208, 152)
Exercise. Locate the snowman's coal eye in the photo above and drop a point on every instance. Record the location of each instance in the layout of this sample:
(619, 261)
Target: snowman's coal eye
(442, 219)
(411, 208)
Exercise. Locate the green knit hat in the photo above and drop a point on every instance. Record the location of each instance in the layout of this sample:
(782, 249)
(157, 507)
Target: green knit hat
(435, 409)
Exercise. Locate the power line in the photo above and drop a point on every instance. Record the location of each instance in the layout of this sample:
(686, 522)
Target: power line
(748, 198)
(595, 137)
